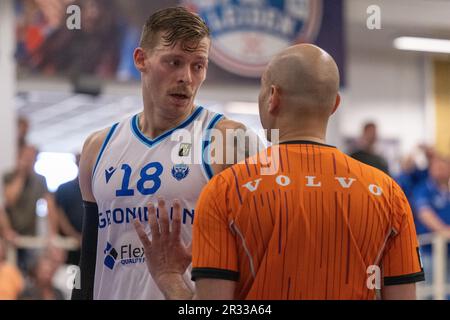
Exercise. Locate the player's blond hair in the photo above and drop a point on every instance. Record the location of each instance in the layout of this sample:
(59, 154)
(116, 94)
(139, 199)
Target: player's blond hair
(172, 25)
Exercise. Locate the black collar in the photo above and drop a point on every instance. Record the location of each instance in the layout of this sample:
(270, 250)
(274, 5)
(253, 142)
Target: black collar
(306, 142)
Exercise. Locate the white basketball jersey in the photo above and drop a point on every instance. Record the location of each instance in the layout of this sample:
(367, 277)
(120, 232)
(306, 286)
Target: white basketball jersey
(132, 170)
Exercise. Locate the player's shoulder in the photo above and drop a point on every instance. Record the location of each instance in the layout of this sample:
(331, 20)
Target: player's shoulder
(226, 123)
(95, 140)
(91, 150)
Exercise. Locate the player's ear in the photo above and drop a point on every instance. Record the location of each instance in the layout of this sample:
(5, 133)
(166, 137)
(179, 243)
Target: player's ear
(336, 103)
(274, 99)
(139, 59)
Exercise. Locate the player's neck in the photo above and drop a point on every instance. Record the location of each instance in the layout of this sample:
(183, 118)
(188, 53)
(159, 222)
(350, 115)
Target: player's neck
(152, 123)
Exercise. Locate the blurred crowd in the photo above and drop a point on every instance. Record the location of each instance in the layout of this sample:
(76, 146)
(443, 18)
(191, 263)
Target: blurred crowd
(425, 180)
(39, 271)
(103, 47)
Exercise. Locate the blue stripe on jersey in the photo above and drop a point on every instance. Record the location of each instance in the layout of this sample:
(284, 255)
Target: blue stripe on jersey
(206, 144)
(152, 142)
(108, 137)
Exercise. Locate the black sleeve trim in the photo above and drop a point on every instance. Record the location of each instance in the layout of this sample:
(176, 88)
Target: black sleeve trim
(212, 273)
(88, 255)
(404, 279)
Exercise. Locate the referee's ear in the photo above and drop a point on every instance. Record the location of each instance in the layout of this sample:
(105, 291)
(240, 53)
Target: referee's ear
(336, 103)
(274, 100)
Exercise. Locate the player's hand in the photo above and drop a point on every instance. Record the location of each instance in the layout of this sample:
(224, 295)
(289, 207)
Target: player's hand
(10, 236)
(165, 253)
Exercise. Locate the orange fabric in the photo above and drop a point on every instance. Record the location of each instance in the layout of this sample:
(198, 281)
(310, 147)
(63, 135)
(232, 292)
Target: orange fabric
(11, 282)
(288, 240)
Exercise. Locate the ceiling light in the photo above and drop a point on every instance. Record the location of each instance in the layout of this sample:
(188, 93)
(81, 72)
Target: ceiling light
(422, 44)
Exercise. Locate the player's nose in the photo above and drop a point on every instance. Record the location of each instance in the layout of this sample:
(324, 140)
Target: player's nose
(185, 75)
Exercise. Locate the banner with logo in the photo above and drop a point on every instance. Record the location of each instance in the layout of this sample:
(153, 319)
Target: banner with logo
(248, 33)
(245, 35)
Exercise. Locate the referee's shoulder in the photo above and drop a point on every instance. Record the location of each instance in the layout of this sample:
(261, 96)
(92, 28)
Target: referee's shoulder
(371, 174)
(240, 173)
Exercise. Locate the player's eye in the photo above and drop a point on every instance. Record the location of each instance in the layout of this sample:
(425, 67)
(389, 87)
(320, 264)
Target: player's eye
(199, 66)
(175, 63)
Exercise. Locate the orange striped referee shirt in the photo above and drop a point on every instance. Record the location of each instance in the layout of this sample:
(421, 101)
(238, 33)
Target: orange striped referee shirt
(315, 229)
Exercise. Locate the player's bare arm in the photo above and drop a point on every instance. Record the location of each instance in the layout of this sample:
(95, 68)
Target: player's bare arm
(234, 142)
(89, 154)
(91, 148)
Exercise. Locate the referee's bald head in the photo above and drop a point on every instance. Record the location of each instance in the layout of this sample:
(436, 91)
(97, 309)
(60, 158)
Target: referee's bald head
(300, 85)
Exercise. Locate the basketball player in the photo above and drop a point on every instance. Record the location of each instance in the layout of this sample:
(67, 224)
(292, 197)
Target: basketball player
(324, 226)
(122, 166)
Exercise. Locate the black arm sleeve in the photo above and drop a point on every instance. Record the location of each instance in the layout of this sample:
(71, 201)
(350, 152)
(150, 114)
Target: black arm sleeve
(88, 253)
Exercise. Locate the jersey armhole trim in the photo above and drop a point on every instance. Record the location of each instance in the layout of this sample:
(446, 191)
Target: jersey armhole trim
(102, 149)
(213, 273)
(404, 279)
(206, 144)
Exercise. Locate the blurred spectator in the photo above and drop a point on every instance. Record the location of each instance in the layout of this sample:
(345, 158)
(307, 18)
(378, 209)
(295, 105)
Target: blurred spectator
(69, 211)
(31, 28)
(62, 272)
(92, 50)
(23, 188)
(5, 227)
(414, 173)
(110, 31)
(432, 198)
(40, 286)
(11, 281)
(366, 149)
(432, 208)
(23, 126)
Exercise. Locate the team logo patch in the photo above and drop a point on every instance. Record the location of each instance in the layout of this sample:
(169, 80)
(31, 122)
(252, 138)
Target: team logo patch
(109, 173)
(128, 255)
(180, 171)
(246, 34)
(185, 148)
(110, 259)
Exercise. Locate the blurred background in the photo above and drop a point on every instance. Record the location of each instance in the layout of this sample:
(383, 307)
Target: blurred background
(67, 72)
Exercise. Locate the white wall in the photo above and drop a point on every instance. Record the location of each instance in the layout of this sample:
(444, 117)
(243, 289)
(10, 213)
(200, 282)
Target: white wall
(7, 85)
(388, 88)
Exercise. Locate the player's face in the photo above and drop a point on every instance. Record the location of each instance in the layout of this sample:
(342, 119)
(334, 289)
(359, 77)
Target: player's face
(175, 75)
